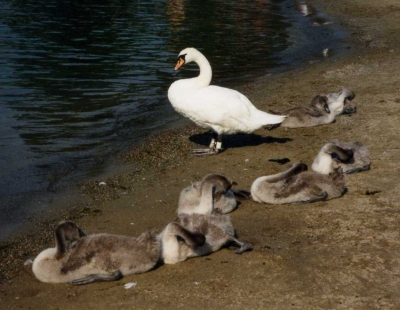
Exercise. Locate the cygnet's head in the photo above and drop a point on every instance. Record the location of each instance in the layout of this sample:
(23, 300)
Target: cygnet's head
(338, 153)
(222, 183)
(67, 233)
(320, 102)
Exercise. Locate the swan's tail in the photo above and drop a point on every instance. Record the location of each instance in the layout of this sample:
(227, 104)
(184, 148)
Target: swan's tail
(265, 118)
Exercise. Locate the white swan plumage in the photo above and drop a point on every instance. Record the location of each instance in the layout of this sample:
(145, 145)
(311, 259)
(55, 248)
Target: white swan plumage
(224, 110)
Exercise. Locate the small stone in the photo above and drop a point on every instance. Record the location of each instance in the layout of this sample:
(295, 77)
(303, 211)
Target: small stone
(130, 285)
(28, 262)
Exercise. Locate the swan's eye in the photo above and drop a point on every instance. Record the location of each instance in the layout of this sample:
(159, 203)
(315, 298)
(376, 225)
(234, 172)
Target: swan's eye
(182, 57)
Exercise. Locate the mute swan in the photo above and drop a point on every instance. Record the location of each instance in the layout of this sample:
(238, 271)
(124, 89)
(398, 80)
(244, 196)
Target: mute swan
(351, 157)
(223, 110)
(82, 259)
(224, 197)
(296, 185)
(338, 102)
(215, 226)
(315, 114)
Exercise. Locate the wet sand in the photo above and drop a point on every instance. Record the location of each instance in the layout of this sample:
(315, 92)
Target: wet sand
(339, 254)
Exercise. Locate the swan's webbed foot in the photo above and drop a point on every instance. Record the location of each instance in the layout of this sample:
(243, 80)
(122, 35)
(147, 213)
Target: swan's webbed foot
(214, 148)
(114, 276)
(205, 152)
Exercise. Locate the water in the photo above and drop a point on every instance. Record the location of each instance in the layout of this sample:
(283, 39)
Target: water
(81, 79)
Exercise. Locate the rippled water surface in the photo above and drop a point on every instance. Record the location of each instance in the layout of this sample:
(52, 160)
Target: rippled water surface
(80, 80)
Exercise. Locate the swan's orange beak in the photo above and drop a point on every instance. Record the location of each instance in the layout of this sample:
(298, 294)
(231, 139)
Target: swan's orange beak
(180, 63)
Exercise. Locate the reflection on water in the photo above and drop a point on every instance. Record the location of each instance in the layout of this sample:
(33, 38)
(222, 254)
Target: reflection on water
(80, 79)
(236, 36)
(304, 8)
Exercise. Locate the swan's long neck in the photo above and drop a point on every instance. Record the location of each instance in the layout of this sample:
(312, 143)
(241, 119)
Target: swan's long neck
(204, 78)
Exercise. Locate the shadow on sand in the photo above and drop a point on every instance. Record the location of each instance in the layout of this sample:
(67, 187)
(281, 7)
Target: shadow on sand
(237, 140)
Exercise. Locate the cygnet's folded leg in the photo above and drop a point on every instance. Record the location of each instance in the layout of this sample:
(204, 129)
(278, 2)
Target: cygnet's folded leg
(114, 276)
(272, 127)
(243, 246)
(365, 168)
(241, 193)
(275, 112)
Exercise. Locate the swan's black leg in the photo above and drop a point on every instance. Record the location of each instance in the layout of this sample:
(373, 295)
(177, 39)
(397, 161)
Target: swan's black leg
(218, 145)
(213, 140)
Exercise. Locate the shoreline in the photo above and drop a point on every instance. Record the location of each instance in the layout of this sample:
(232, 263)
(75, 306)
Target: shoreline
(295, 258)
(30, 203)
(63, 195)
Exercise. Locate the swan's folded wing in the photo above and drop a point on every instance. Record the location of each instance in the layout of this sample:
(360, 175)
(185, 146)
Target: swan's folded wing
(228, 110)
(221, 101)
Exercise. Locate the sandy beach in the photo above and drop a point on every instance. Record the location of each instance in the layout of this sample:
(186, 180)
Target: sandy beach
(337, 254)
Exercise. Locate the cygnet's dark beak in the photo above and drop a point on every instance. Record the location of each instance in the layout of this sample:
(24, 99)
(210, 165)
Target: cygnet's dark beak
(326, 107)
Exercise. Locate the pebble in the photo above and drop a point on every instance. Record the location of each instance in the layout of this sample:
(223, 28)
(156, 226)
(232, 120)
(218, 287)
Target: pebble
(28, 262)
(130, 285)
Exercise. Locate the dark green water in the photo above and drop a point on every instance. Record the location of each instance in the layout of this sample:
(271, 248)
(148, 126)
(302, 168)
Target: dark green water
(81, 80)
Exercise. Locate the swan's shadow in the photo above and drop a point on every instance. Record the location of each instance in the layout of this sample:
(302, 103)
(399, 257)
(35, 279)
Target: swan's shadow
(237, 140)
